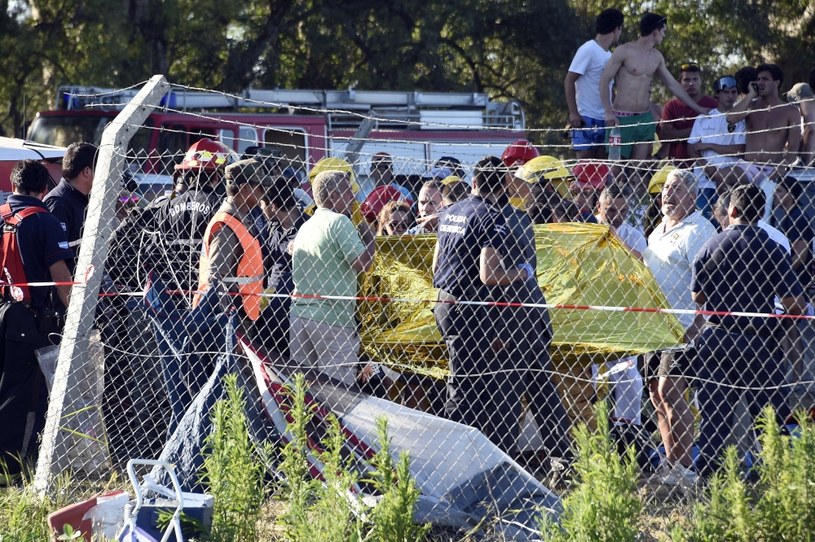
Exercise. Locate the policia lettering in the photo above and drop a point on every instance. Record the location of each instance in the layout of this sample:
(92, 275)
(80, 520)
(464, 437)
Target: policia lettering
(480, 392)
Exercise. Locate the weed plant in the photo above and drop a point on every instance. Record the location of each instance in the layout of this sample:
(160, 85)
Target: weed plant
(781, 506)
(316, 510)
(232, 470)
(604, 504)
(328, 509)
(392, 518)
(23, 512)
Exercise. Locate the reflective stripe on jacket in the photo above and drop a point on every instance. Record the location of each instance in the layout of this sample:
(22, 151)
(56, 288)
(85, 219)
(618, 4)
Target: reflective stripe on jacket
(249, 277)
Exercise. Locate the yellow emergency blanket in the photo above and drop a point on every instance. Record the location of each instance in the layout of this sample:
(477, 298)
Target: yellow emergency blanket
(578, 264)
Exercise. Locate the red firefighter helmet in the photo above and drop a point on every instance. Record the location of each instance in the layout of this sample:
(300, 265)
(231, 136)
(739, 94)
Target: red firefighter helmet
(206, 154)
(519, 153)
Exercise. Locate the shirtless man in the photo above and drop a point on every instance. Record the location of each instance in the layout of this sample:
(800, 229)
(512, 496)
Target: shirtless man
(632, 66)
(773, 131)
(773, 126)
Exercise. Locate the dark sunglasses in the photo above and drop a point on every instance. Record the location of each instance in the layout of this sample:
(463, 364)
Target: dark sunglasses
(690, 67)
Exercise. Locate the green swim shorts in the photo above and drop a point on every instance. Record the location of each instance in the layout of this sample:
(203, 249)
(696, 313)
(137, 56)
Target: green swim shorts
(635, 128)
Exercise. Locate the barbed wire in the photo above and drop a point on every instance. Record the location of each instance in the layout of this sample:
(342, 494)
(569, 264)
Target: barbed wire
(422, 123)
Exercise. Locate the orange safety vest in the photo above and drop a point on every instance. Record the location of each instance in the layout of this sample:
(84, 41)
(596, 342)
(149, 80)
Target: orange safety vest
(250, 267)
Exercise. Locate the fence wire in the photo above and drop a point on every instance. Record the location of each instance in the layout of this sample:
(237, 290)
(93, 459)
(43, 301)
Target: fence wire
(605, 312)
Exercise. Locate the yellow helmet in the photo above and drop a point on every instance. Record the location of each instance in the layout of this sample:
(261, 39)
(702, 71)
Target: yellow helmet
(450, 180)
(334, 164)
(546, 167)
(659, 179)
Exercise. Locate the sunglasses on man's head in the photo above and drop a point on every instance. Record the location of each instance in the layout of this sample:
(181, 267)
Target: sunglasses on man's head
(725, 83)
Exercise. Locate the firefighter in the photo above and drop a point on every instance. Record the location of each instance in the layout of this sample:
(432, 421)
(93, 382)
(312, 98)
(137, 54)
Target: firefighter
(183, 219)
(34, 249)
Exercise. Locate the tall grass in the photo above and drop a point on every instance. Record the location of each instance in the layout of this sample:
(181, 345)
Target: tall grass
(316, 510)
(327, 509)
(232, 470)
(23, 511)
(604, 505)
(781, 506)
(392, 518)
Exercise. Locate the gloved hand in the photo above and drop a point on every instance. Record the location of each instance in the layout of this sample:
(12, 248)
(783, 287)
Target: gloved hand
(264, 299)
(530, 271)
(275, 273)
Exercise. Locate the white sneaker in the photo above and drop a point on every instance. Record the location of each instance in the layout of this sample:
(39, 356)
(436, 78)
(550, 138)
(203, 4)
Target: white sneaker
(679, 475)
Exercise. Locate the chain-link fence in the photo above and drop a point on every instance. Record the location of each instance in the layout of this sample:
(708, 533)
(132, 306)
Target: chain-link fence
(400, 295)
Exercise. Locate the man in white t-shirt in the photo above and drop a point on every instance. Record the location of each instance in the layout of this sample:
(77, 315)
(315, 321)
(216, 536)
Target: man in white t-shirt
(672, 246)
(582, 84)
(717, 144)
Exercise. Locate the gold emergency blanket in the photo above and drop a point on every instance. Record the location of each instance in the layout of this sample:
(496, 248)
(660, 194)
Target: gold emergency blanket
(578, 264)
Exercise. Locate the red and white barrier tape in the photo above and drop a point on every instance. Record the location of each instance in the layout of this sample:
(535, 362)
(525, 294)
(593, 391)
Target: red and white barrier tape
(380, 299)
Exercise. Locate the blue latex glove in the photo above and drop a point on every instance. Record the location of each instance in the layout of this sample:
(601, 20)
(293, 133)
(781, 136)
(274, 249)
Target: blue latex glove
(530, 271)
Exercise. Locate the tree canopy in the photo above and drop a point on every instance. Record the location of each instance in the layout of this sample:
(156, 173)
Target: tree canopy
(507, 48)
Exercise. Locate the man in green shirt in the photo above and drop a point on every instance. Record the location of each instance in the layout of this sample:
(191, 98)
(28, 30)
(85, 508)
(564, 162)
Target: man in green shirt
(328, 253)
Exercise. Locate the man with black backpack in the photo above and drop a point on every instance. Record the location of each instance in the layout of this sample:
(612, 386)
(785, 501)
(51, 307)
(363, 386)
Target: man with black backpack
(34, 249)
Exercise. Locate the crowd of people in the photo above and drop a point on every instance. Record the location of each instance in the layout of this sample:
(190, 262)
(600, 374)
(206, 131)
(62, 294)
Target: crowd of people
(718, 221)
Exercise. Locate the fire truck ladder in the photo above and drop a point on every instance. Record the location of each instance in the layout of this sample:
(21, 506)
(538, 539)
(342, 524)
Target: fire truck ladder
(345, 109)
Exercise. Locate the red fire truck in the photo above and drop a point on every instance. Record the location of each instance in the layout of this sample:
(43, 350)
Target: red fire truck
(303, 125)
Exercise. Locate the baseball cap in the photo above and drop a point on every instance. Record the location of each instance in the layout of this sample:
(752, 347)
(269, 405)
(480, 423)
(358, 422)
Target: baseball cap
(245, 171)
(799, 92)
(450, 180)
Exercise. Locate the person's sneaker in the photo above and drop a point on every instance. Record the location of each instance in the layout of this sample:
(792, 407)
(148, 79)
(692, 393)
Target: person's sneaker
(679, 475)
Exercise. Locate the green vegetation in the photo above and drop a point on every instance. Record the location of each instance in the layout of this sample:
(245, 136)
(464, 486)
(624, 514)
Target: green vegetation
(232, 470)
(316, 510)
(330, 510)
(604, 505)
(514, 50)
(781, 506)
(392, 518)
(23, 512)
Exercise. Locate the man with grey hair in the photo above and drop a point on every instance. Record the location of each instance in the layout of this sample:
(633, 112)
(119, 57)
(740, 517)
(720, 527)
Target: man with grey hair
(672, 247)
(328, 254)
